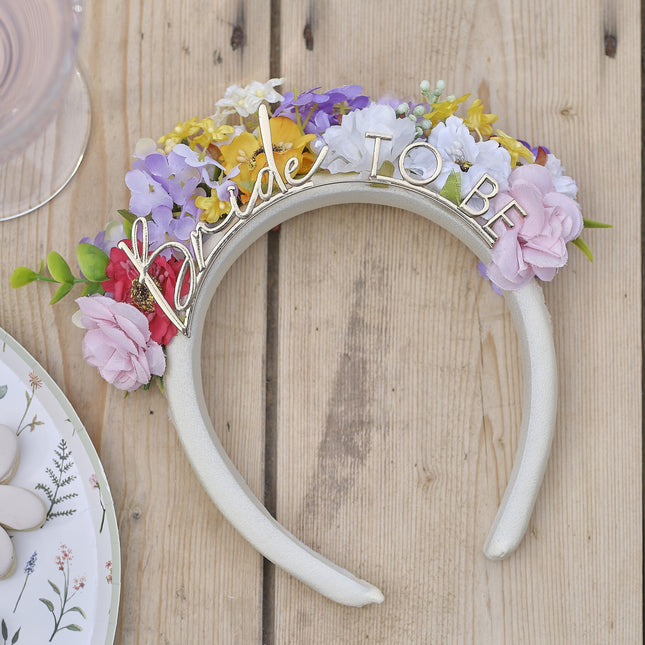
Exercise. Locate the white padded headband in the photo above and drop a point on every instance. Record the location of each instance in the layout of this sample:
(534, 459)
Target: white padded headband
(221, 479)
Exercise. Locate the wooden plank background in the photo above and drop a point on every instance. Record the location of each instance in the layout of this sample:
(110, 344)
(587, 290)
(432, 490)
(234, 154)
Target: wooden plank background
(380, 419)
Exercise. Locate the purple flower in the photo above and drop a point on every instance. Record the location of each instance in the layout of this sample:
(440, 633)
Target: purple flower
(118, 342)
(534, 150)
(107, 239)
(165, 227)
(160, 180)
(31, 563)
(320, 111)
(147, 192)
(481, 267)
(172, 173)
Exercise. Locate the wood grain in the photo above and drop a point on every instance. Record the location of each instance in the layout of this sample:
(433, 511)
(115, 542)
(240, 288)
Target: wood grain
(397, 390)
(187, 576)
(400, 381)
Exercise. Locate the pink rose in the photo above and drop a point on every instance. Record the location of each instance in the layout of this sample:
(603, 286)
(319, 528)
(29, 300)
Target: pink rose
(537, 244)
(118, 342)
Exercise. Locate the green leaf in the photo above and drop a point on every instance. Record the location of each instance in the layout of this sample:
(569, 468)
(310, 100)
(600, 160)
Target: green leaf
(22, 276)
(127, 228)
(579, 242)
(127, 215)
(73, 628)
(91, 288)
(246, 185)
(3, 391)
(590, 223)
(452, 188)
(16, 636)
(79, 610)
(48, 603)
(5, 633)
(63, 290)
(386, 169)
(54, 587)
(58, 268)
(92, 261)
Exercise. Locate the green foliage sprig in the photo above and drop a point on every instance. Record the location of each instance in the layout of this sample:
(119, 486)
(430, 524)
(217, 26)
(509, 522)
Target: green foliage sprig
(59, 478)
(92, 262)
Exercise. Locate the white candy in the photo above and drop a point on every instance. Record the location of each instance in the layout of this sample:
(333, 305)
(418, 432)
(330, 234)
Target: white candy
(8, 453)
(20, 509)
(7, 555)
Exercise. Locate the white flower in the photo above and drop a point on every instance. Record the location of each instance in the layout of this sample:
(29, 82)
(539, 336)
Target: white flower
(247, 100)
(219, 116)
(351, 151)
(563, 183)
(144, 147)
(471, 159)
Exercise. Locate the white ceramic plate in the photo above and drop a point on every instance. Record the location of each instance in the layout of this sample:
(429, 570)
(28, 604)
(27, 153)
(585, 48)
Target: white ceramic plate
(66, 585)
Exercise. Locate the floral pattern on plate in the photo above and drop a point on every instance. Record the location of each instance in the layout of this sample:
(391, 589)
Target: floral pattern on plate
(65, 589)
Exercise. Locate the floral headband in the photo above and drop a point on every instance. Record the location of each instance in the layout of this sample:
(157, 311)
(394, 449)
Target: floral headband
(203, 193)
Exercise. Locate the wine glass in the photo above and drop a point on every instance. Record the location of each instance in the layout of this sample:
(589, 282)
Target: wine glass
(44, 102)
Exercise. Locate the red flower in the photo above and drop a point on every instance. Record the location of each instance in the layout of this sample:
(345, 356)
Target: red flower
(123, 283)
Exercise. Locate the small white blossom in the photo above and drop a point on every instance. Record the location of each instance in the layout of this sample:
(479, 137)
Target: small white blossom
(351, 151)
(471, 159)
(563, 183)
(247, 100)
(145, 147)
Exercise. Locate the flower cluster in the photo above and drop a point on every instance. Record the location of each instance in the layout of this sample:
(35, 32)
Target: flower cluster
(64, 557)
(204, 167)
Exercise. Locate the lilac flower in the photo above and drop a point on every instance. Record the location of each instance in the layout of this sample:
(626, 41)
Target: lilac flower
(320, 111)
(534, 150)
(165, 227)
(31, 563)
(172, 173)
(390, 99)
(147, 192)
(29, 569)
(205, 164)
(108, 238)
(481, 267)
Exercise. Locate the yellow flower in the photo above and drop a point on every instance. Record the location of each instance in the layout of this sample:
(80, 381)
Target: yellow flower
(442, 110)
(479, 122)
(210, 133)
(181, 131)
(213, 207)
(248, 152)
(514, 147)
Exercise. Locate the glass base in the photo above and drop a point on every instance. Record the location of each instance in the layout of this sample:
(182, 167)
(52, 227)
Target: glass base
(44, 168)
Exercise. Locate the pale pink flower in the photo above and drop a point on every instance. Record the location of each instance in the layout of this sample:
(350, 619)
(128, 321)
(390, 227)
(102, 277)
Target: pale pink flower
(536, 245)
(118, 342)
(35, 381)
(64, 557)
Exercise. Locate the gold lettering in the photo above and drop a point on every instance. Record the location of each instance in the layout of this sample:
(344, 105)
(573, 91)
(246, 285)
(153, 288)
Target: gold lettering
(412, 180)
(501, 214)
(377, 150)
(267, 144)
(484, 197)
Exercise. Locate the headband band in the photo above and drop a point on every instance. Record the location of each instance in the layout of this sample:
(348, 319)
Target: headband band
(225, 485)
